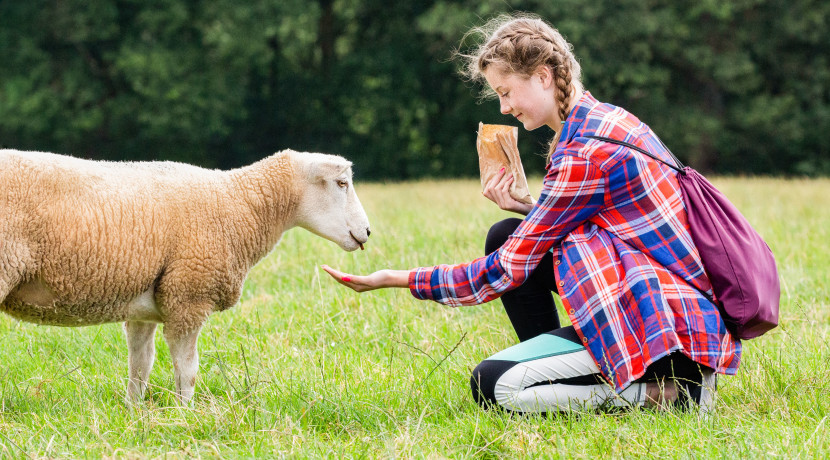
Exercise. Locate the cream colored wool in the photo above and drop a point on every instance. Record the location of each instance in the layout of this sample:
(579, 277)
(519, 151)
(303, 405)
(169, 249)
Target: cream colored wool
(85, 242)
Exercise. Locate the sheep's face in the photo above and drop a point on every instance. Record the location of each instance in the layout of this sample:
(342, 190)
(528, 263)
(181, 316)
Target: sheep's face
(329, 206)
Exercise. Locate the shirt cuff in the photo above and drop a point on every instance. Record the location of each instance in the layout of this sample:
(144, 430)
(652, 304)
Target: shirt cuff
(419, 284)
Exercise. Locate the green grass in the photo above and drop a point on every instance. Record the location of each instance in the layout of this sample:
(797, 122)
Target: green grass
(303, 367)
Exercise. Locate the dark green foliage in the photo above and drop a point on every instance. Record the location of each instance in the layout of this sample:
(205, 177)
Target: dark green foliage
(740, 86)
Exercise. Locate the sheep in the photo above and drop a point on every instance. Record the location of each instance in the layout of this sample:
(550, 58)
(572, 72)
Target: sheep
(90, 242)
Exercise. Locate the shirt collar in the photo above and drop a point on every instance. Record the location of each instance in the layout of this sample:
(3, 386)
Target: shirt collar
(575, 119)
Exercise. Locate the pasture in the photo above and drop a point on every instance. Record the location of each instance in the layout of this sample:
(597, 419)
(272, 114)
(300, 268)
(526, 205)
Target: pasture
(303, 367)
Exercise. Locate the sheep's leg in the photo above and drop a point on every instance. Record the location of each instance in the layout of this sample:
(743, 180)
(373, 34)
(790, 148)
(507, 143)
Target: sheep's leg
(141, 354)
(185, 359)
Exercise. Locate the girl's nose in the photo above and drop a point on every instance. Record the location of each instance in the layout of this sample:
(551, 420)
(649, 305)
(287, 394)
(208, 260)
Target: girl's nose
(505, 108)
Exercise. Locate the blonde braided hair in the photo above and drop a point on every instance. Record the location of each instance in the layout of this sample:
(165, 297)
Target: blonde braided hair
(521, 44)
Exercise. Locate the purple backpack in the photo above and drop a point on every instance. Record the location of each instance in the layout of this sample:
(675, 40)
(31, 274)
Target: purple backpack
(739, 263)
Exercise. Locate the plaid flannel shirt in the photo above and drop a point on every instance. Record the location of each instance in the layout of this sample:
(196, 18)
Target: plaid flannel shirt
(627, 270)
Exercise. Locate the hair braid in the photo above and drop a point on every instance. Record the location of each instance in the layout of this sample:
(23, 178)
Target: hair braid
(563, 77)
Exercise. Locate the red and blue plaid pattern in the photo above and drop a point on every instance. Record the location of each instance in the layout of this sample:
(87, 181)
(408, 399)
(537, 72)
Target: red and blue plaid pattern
(627, 270)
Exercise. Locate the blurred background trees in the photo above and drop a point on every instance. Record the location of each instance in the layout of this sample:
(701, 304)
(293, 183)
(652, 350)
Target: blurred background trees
(740, 86)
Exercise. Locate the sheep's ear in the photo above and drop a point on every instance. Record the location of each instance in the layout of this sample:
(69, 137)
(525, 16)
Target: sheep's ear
(327, 170)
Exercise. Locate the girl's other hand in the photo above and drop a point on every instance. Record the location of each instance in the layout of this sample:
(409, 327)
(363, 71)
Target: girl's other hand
(497, 190)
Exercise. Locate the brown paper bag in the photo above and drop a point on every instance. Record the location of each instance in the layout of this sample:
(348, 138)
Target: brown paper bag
(498, 148)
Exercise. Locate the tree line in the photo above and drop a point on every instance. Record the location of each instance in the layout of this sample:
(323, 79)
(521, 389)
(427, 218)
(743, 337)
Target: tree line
(732, 86)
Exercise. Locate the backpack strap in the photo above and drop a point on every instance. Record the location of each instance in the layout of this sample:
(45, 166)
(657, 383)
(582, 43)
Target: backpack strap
(679, 167)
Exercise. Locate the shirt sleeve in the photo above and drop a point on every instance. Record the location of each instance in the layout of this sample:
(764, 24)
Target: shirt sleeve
(573, 192)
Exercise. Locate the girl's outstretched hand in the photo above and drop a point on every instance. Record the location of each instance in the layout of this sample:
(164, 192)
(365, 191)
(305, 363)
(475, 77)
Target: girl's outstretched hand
(377, 280)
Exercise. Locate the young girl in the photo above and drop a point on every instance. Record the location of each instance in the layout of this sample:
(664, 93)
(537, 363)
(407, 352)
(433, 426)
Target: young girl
(609, 234)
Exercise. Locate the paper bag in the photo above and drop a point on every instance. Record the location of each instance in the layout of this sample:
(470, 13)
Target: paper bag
(498, 148)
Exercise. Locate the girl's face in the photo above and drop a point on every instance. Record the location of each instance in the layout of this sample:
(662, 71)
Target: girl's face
(530, 99)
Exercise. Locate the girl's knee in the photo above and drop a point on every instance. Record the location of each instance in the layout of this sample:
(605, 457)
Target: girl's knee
(484, 379)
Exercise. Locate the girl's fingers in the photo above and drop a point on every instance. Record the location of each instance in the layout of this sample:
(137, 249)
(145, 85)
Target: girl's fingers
(343, 278)
(494, 181)
(498, 178)
(505, 185)
(334, 273)
(355, 282)
(497, 183)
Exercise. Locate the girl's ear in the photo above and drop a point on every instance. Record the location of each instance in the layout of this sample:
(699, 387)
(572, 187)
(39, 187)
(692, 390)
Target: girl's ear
(545, 75)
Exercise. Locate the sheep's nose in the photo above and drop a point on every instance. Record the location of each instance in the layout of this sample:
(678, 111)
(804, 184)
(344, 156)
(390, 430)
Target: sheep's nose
(368, 232)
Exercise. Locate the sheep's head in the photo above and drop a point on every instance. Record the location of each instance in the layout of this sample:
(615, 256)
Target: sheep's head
(329, 206)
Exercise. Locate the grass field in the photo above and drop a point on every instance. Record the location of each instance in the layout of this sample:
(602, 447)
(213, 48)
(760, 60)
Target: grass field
(302, 367)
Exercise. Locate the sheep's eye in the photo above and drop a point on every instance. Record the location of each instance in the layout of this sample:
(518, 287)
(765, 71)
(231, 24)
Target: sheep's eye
(342, 184)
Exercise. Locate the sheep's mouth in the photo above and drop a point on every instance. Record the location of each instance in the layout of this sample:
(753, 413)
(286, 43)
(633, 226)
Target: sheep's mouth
(357, 241)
